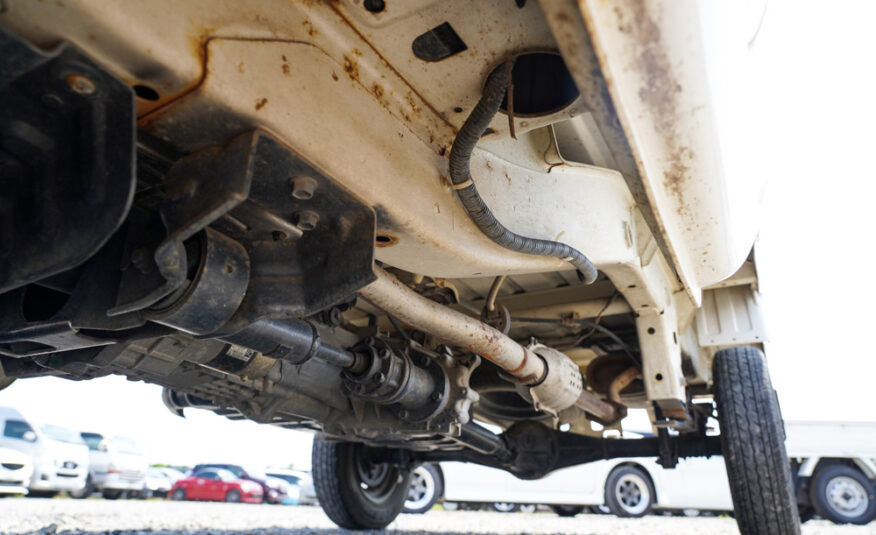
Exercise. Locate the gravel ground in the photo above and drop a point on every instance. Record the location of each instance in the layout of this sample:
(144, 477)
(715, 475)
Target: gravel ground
(152, 517)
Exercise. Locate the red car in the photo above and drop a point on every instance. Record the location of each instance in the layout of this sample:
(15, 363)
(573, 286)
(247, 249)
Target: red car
(216, 485)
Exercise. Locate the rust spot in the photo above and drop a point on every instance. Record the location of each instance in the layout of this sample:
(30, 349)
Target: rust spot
(241, 68)
(351, 68)
(442, 150)
(308, 27)
(489, 166)
(260, 103)
(508, 178)
(385, 240)
(661, 94)
(197, 41)
(283, 57)
(334, 77)
(522, 363)
(377, 89)
(412, 102)
(286, 69)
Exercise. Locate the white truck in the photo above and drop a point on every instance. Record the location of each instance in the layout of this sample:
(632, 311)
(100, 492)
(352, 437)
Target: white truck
(381, 221)
(833, 463)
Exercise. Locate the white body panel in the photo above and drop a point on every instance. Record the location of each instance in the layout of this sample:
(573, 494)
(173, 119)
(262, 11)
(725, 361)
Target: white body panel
(831, 439)
(668, 65)
(16, 470)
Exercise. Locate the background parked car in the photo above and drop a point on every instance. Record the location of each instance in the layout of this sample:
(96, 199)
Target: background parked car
(115, 466)
(273, 490)
(15, 471)
(156, 483)
(59, 456)
(216, 484)
(300, 480)
(159, 480)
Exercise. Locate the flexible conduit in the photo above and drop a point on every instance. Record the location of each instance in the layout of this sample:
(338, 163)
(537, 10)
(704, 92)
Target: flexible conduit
(467, 193)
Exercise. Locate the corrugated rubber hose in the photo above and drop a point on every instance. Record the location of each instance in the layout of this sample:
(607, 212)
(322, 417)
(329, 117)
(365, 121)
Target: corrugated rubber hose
(478, 211)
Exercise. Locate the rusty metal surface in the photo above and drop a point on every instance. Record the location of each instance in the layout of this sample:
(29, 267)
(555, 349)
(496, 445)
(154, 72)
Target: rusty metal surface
(653, 55)
(409, 307)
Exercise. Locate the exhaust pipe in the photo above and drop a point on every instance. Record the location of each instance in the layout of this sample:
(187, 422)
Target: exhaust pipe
(554, 381)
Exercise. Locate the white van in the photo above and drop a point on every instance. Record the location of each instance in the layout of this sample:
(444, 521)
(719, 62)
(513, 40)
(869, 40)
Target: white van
(60, 457)
(116, 465)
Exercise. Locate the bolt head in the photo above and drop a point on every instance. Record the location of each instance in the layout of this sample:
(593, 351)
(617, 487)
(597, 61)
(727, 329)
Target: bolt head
(80, 84)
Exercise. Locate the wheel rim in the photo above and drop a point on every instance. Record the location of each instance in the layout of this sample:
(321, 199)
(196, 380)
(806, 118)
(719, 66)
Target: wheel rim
(422, 489)
(503, 507)
(847, 496)
(632, 494)
(376, 481)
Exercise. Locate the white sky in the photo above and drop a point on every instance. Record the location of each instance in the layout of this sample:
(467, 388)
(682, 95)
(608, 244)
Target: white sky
(814, 75)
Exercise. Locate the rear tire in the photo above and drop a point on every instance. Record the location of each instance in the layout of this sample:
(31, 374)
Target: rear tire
(353, 492)
(567, 511)
(178, 495)
(753, 444)
(629, 492)
(843, 495)
(426, 488)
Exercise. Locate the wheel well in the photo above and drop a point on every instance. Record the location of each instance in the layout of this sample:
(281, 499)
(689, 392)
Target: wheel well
(834, 461)
(638, 467)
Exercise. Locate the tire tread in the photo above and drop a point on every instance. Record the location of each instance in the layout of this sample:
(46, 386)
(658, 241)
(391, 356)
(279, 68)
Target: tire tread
(752, 440)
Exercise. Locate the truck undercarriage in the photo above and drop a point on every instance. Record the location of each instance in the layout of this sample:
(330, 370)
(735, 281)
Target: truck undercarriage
(385, 223)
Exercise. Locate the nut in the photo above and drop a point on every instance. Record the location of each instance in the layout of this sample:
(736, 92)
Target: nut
(303, 187)
(306, 220)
